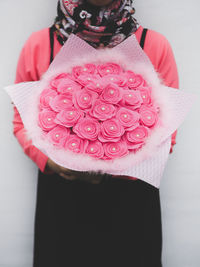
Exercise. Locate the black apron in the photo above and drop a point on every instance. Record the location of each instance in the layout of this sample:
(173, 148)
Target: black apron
(116, 222)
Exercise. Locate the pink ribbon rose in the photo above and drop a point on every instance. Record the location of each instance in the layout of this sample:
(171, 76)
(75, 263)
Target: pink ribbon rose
(132, 98)
(138, 135)
(61, 102)
(46, 119)
(59, 78)
(95, 149)
(111, 94)
(68, 86)
(111, 131)
(69, 117)
(46, 96)
(109, 68)
(76, 144)
(102, 111)
(83, 99)
(128, 118)
(58, 135)
(148, 116)
(145, 93)
(96, 85)
(85, 79)
(119, 80)
(134, 80)
(87, 128)
(115, 150)
(86, 69)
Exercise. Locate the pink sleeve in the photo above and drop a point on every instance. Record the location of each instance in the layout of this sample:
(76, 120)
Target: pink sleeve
(162, 57)
(27, 72)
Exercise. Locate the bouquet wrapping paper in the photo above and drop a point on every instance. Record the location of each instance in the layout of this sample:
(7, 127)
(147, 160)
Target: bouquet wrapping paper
(102, 110)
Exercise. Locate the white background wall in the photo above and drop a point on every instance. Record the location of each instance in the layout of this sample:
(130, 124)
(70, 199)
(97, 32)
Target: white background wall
(179, 21)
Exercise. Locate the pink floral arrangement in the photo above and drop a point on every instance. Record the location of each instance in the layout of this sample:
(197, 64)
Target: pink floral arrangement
(102, 110)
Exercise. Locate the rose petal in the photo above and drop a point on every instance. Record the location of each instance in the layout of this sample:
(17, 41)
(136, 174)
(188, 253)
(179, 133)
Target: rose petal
(58, 136)
(127, 118)
(111, 94)
(68, 117)
(111, 131)
(76, 144)
(138, 135)
(132, 98)
(68, 86)
(61, 102)
(115, 150)
(84, 99)
(148, 116)
(46, 120)
(95, 149)
(134, 80)
(102, 110)
(45, 97)
(87, 128)
(56, 80)
(109, 68)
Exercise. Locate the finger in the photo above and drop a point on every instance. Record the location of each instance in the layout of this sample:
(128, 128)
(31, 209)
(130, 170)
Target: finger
(66, 171)
(68, 177)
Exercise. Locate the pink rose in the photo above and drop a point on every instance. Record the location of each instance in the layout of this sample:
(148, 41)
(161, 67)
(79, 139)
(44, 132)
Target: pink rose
(145, 93)
(68, 86)
(96, 85)
(61, 102)
(83, 99)
(58, 135)
(109, 68)
(132, 146)
(115, 150)
(112, 94)
(46, 119)
(76, 71)
(86, 69)
(134, 80)
(138, 135)
(102, 111)
(56, 80)
(148, 116)
(89, 68)
(46, 96)
(128, 118)
(111, 131)
(86, 78)
(76, 144)
(95, 149)
(132, 98)
(69, 117)
(87, 128)
(119, 80)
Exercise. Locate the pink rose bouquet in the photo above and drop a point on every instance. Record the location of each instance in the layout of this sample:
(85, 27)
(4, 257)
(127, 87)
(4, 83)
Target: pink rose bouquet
(102, 110)
(105, 106)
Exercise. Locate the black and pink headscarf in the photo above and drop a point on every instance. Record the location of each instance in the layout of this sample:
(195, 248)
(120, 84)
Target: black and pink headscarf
(99, 26)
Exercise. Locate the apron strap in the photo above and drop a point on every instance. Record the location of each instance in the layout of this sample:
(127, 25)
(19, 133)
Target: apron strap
(51, 37)
(143, 37)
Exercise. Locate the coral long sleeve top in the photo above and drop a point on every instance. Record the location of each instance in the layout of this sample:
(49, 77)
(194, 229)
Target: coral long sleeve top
(34, 61)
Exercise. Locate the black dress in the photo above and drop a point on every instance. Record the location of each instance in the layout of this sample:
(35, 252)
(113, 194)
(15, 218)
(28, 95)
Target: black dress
(114, 223)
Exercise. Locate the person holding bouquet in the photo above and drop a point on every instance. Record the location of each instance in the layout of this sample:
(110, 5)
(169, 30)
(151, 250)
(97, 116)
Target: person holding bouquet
(86, 218)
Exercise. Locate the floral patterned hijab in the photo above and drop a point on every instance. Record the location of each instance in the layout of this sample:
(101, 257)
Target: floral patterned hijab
(99, 26)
